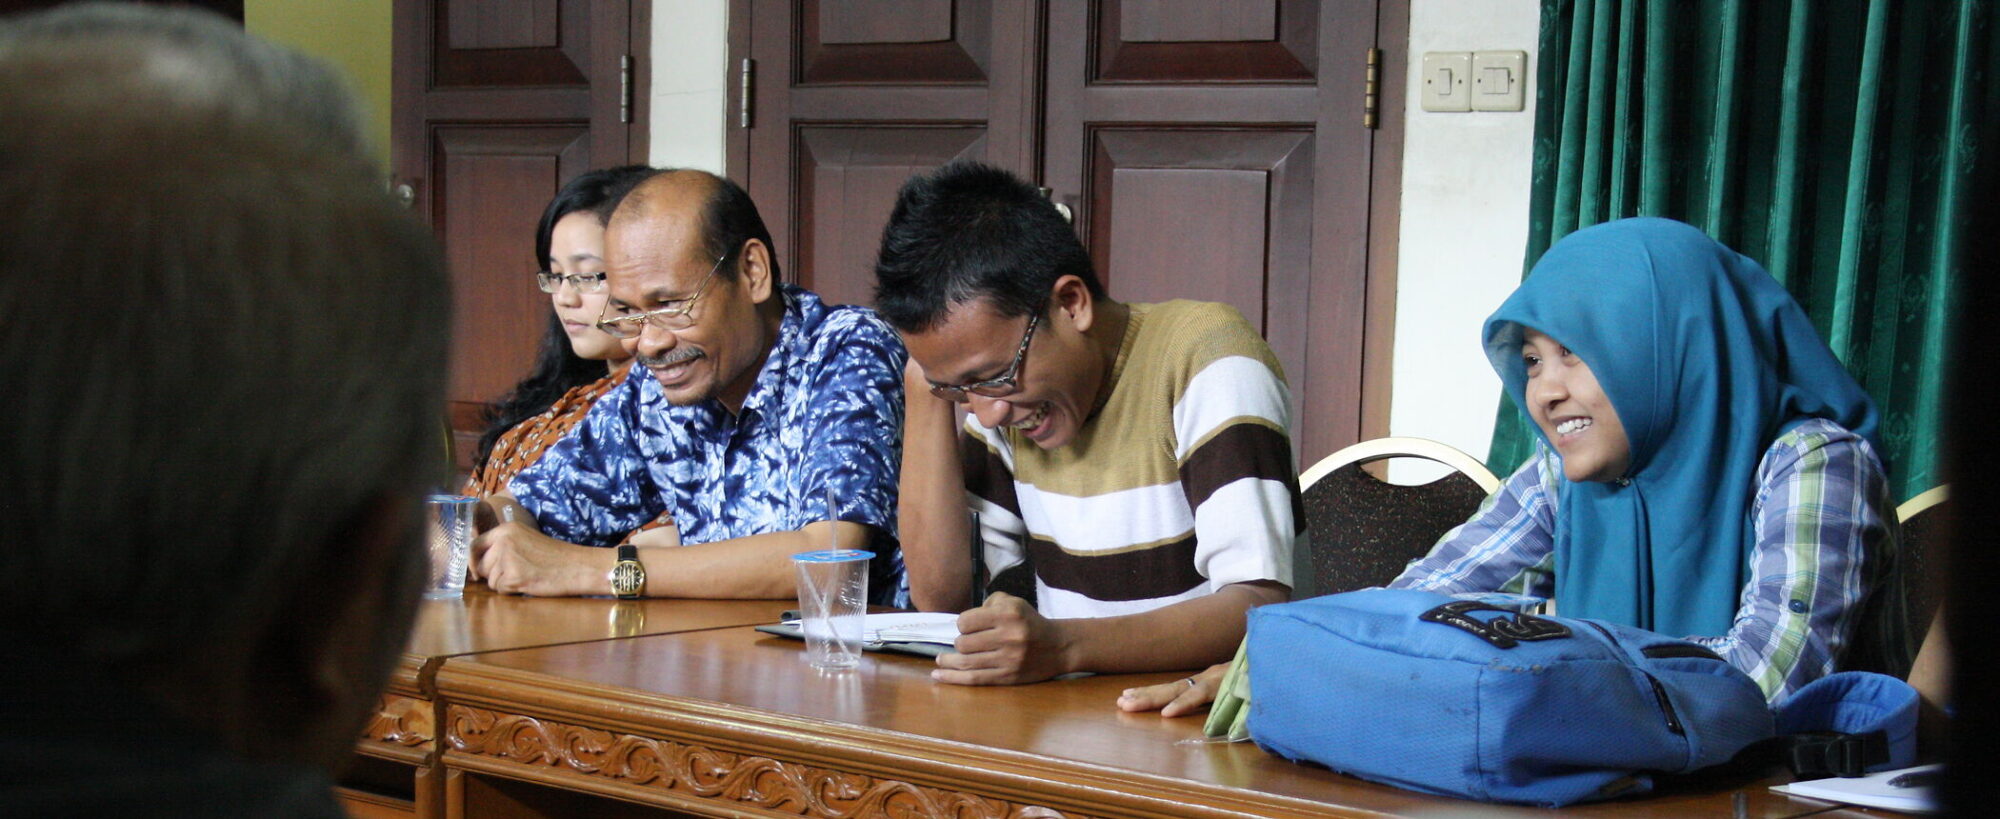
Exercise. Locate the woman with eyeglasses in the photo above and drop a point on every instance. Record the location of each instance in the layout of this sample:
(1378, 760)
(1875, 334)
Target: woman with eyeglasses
(577, 363)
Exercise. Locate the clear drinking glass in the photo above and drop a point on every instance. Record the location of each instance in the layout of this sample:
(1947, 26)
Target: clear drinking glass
(833, 597)
(448, 523)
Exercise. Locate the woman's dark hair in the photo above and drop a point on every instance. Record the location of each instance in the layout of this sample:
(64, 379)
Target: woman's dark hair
(970, 231)
(558, 369)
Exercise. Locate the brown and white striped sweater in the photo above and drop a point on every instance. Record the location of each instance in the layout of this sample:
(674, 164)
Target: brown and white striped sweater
(1182, 483)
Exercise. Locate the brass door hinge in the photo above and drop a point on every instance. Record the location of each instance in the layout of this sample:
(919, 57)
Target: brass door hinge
(744, 85)
(624, 88)
(1371, 92)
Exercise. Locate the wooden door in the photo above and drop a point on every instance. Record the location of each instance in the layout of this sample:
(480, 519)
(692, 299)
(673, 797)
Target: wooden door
(1209, 150)
(496, 104)
(1217, 151)
(852, 97)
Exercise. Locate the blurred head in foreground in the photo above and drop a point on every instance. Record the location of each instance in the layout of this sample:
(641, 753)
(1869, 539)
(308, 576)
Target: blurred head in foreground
(226, 348)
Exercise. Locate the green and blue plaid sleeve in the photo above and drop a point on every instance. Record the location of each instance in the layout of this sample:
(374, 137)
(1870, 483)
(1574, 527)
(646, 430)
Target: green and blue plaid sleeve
(1507, 546)
(1825, 537)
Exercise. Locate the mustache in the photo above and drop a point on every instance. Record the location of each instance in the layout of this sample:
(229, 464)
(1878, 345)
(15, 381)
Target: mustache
(679, 355)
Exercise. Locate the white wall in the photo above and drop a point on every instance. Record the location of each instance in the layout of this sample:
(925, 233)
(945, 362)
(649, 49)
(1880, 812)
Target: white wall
(1464, 228)
(691, 78)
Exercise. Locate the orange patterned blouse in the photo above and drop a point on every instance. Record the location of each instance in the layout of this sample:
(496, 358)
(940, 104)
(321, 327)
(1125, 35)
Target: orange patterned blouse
(520, 447)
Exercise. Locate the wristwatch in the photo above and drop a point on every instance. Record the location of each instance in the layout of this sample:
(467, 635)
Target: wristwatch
(628, 575)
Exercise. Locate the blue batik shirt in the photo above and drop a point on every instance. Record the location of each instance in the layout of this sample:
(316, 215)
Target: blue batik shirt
(826, 409)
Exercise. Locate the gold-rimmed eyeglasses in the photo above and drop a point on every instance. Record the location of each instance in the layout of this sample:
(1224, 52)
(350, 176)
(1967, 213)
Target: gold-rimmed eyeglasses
(676, 314)
(1000, 386)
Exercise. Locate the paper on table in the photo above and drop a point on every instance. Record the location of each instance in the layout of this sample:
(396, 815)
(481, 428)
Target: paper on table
(1872, 790)
(936, 628)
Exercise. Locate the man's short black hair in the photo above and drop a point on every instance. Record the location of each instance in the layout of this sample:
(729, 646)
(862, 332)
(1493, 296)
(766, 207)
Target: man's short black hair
(728, 220)
(970, 231)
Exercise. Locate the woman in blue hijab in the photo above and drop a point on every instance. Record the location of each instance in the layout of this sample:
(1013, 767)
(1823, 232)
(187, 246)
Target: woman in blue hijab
(1706, 468)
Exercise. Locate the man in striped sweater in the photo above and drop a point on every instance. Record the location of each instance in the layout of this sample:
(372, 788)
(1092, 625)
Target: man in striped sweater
(1129, 463)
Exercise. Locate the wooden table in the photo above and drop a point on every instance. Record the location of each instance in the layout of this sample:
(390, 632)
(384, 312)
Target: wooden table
(396, 771)
(730, 722)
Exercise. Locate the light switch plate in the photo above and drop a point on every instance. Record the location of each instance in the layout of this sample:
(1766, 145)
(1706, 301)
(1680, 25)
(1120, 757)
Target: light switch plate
(1447, 81)
(1499, 80)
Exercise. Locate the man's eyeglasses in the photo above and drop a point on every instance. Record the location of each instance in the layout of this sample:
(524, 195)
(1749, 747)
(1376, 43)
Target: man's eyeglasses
(1007, 383)
(677, 314)
(583, 282)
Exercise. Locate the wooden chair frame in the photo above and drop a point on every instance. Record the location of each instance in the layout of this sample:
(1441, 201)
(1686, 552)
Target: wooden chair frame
(1924, 500)
(1384, 448)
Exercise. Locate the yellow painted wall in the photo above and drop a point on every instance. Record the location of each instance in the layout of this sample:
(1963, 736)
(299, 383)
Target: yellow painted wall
(353, 35)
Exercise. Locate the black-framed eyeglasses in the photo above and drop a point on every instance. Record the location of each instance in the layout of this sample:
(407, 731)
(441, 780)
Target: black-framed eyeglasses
(1004, 385)
(677, 314)
(583, 282)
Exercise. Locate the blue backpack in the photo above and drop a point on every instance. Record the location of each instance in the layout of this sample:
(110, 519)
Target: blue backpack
(1457, 697)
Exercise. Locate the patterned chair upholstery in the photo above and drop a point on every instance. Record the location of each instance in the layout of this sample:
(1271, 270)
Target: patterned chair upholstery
(1926, 526)
(1362, 531)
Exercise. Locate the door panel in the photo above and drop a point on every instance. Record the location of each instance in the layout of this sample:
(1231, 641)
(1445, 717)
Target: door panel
(510, 24)
(848, 178)
(1260, 41)
(496, 104)
(495, 181)
(1209, 150)
(512, 43)
(881, 21)
(855, 97)
(1206, 158)
(1209, 214)
(1197, 21)
(894, 42)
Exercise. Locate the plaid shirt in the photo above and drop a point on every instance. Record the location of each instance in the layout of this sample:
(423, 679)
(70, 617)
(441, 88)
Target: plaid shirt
(1821, 510)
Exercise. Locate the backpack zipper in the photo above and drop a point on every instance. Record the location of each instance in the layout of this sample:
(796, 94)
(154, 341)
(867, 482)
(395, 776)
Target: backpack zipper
(1666, 705)
(1659, 691)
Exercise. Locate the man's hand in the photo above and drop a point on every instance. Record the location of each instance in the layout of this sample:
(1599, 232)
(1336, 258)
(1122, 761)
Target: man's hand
(1004, 642)
(514, 558)
(499, 508)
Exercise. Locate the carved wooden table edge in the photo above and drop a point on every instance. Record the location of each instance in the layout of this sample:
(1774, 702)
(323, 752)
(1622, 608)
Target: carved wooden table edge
(713, 757)
(403, 726)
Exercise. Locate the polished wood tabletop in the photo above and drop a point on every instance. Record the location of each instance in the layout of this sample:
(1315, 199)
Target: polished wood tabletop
(403, 727)
(487, 621)
(729, 720)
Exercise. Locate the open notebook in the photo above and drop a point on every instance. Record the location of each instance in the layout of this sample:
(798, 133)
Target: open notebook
(1907, 789)
(925, 633)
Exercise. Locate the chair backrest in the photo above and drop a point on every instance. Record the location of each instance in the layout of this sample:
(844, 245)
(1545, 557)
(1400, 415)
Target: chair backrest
(1925, 523)
(1362, 531)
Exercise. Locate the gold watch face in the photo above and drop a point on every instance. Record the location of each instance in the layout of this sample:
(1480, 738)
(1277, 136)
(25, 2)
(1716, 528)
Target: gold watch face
(628, 578)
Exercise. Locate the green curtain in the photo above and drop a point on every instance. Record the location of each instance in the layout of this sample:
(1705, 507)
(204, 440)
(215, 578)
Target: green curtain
(1831, 141)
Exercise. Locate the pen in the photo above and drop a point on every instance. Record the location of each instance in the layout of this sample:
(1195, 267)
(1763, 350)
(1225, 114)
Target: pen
(1916, 779)
(978, 560)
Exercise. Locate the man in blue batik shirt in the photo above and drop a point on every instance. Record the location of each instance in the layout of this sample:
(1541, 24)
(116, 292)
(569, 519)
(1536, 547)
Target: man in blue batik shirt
(760, 399)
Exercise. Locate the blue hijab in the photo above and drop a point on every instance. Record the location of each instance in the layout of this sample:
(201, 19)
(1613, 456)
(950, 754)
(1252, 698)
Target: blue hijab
(1707, 360)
